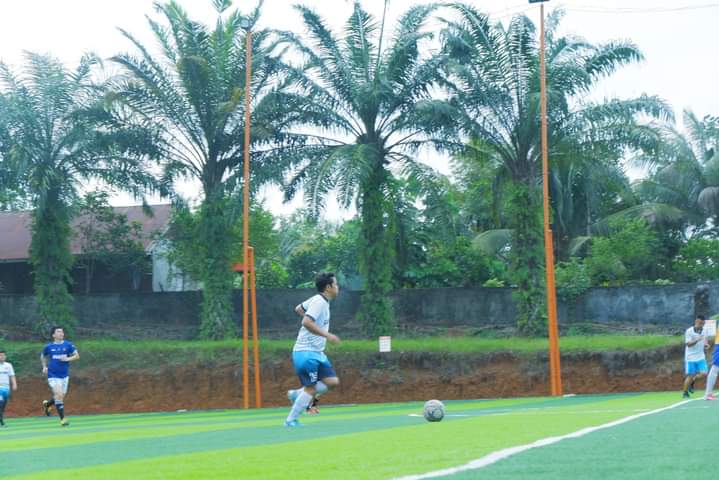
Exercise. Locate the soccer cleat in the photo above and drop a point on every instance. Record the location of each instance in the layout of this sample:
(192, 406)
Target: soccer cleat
(685, 395)
(46, 407)
(64, 423)
(293, 424)
(2, 423)
(292, 396)
(313, 408)
(709, 397)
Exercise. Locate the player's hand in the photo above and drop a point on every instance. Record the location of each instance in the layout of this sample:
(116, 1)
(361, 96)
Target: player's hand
(333, 338)
(44, 370)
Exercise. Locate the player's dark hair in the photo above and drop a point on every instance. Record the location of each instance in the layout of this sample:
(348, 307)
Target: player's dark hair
(52, 330)
(323, 280)
(701, 317)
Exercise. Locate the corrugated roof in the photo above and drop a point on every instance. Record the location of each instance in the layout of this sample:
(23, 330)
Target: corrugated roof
(15, 229)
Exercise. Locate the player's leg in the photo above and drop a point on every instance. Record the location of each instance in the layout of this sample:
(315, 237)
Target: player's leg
(691, 370)
(306, 368)
(59, 391)
(701, 373)
(327, 379)
(4, 399)
(711, 381)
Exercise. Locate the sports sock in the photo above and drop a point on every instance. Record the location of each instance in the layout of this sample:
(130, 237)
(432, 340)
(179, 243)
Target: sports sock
(711, 380)
(300, 405)
(320, 388)
(60, 409)
(2, 408)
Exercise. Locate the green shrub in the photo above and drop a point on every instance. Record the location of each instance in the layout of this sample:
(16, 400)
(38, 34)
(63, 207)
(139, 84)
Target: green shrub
(572, 279)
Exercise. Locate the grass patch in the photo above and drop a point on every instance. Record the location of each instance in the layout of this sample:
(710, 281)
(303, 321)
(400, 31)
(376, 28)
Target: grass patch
(149, 353)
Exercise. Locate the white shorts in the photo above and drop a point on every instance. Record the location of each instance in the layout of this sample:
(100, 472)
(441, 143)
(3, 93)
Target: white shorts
(61, 383)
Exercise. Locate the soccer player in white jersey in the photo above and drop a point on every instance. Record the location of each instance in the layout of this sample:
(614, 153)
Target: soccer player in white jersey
(55, 359)
(7, 381)
(308, 355)
(695, 343)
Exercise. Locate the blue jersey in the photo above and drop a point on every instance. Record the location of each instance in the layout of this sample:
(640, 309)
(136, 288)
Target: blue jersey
(57, 368)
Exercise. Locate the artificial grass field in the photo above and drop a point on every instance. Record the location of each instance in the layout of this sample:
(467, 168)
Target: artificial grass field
(373, 442)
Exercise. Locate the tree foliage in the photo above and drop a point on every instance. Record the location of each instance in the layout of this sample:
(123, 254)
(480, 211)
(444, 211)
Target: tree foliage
(368, 100)
(54, 142)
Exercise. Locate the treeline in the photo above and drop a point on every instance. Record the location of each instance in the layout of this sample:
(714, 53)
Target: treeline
(348, 112)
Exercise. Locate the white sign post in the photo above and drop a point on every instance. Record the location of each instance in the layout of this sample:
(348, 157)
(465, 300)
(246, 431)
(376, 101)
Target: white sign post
(710, 328)
(385, 344)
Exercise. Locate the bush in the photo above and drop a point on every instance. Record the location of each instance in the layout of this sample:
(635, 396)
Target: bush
(572, 279)
(628, 253)
(698, 260)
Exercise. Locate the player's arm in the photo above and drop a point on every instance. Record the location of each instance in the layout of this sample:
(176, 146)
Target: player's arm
(43, 360)
(13, 382)
(309, 323)
(75, 356)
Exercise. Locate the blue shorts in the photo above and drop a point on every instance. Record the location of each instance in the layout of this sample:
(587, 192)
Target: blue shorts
(700, 366)
(715, 357)
(4, 394)
(312, 366)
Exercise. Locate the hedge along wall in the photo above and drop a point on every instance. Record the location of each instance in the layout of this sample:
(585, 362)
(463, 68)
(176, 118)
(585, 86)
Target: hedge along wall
(176, 314)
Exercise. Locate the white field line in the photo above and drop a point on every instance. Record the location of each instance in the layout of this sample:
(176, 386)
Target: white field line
(508, 452)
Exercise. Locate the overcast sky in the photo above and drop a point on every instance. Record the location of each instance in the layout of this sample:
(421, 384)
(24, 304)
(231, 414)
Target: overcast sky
(679, 38)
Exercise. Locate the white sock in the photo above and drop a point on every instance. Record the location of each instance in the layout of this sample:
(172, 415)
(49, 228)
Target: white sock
(300, 405)
(320, 388)
(711, 380)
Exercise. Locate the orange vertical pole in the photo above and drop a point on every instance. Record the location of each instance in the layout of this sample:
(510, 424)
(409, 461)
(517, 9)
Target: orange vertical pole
(246, 225)
(555, 372)
(255, 333)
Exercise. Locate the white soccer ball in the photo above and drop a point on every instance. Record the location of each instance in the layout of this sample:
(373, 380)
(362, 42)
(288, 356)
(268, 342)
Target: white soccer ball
(433, 411)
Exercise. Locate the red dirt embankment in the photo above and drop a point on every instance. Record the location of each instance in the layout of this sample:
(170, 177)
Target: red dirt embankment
(364, 378)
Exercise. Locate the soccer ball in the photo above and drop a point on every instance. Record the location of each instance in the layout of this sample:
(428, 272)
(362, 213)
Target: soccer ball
(433, 411)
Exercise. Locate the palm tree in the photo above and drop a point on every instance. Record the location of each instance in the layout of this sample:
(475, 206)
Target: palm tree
(366, 101)
(684, 178)
(192, 95)
(493, 80)
(54, 146)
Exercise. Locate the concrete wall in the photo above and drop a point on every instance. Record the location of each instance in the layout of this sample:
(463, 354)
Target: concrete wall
(176, 314)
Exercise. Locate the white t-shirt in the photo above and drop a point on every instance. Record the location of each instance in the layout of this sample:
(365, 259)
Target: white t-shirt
(6, 371)
(318, 309)
(696, 351)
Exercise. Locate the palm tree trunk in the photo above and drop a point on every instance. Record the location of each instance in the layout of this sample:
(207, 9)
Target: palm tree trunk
(526, 265)
(378, 258)
(216, 253)
(52, 260)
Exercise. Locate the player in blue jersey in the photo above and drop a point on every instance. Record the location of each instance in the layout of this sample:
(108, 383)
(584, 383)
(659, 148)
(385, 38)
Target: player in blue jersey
(7, 381)
(713, 373)
(56, 358)
(311, 364)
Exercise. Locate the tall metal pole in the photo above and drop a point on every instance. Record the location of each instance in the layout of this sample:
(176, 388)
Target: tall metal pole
(555, 372)
(246, 226)
(255, 340)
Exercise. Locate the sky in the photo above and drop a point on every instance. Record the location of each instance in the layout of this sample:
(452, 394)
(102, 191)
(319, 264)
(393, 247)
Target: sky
(679, 39)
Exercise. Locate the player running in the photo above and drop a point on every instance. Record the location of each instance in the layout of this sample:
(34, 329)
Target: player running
(55, 359)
